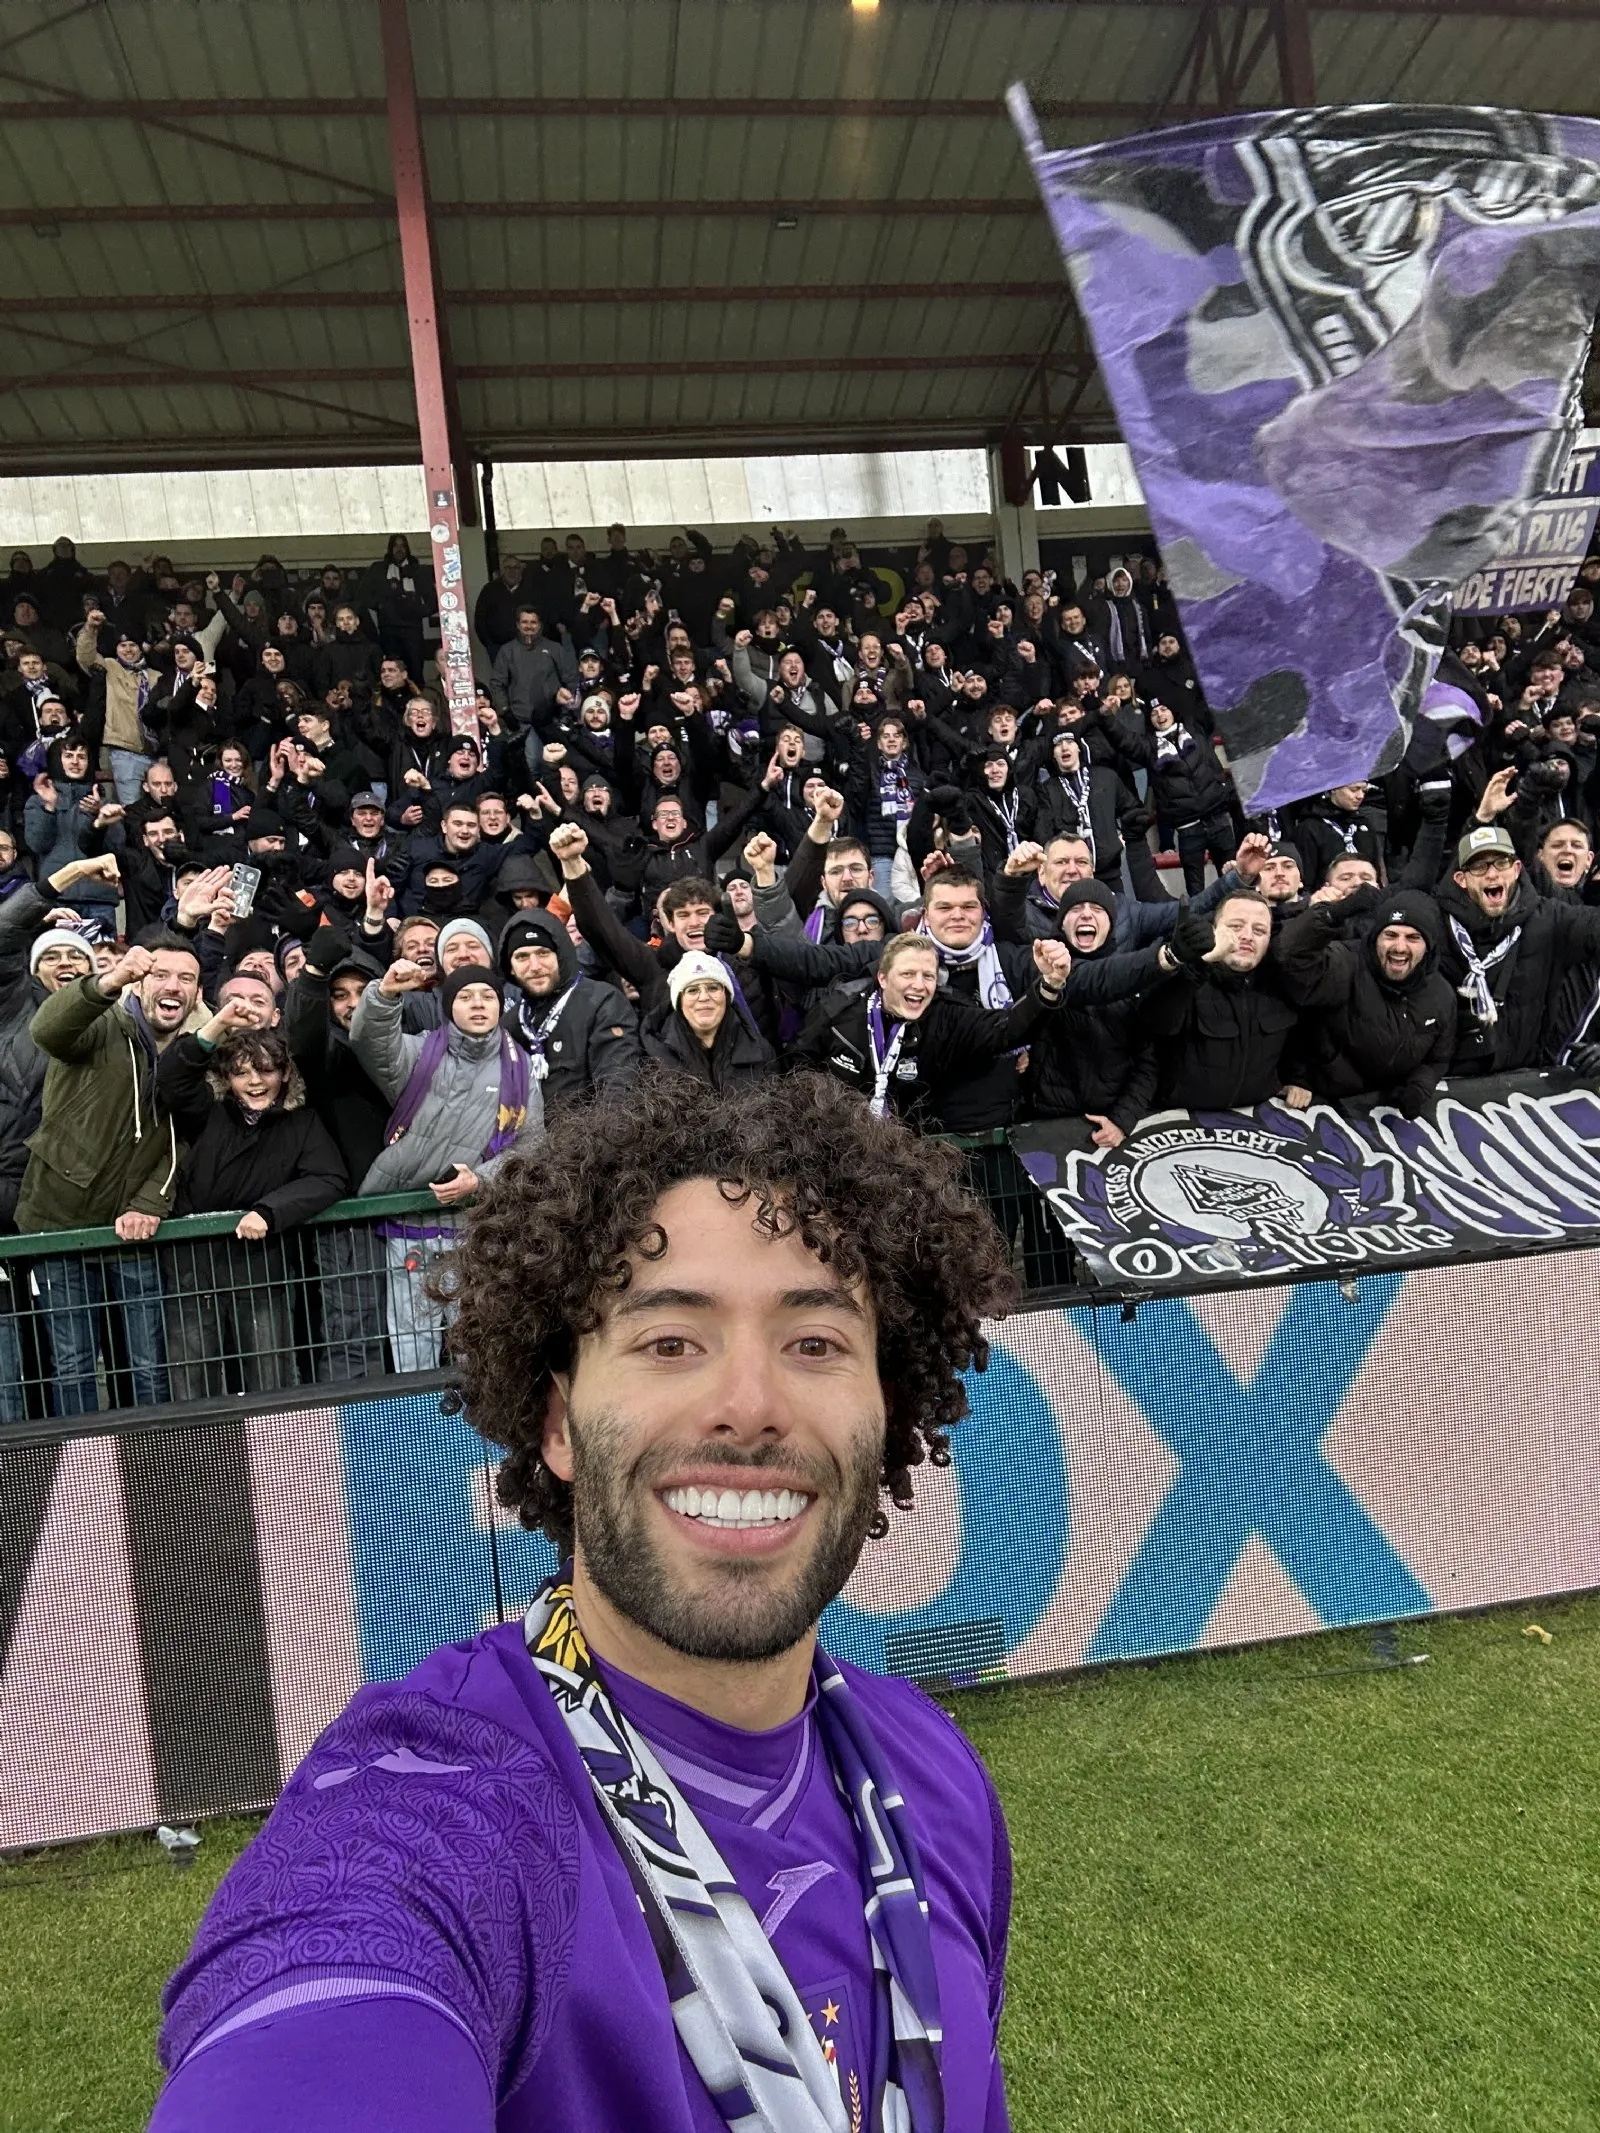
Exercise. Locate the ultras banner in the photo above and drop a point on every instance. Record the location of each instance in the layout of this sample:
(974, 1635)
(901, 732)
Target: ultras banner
(1346, 349)
(181, 1612)
(1274, 1191)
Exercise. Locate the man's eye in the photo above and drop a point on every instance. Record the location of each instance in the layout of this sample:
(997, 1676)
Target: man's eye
(817, 1344)
(668, 1346)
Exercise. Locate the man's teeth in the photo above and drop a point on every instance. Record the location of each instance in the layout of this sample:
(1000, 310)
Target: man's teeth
(727, 1507)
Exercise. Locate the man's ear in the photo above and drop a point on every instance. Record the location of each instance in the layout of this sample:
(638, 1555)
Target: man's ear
(556, 1443)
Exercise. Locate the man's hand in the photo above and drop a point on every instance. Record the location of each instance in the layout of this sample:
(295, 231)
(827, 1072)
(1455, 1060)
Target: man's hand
(830, 806)
(761, 857)
(742, 637)
(128, 969)
(103, 867)
(461, 1187)
(45, 786)
(380, 893)
(308, 767)
(251, 1227)
(1053, 961)
(1105, 1134)
(1497, 795)
(935, 863)
(489, 720)
(95, 619)
(1251, 856)
(552, 752)
(1023, 859)
(113, 811)
(416, 780)
(402, 976)
(90, 803)
(724, 934)
(232, 1015)
(567, 847)
(1193, 939)
(137, 1229)
(628, 706)
(772, 776)
(199, 897)
(1297, 1098)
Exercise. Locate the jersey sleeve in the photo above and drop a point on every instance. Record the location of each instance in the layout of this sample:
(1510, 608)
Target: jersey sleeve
(421, 1855)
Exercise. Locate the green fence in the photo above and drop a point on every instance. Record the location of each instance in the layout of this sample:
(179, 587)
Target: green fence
(90, 1324)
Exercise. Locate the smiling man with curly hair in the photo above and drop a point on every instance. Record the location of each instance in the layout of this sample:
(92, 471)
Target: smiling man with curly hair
(649, 1861)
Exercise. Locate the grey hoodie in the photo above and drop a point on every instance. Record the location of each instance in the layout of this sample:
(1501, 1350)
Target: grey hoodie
(458, 1113)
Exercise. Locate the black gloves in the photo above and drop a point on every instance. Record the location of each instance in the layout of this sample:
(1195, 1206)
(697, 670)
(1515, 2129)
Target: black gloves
(1360, 901)
(942, 798)
(724, 934)
(327, 948)
(1541, 778)
(1584, 1060)
(1433, 799)
(1192, 938)
(1412, 1101)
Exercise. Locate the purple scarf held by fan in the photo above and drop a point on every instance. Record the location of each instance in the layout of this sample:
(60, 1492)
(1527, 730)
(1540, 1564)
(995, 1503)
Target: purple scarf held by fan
(513, 1106)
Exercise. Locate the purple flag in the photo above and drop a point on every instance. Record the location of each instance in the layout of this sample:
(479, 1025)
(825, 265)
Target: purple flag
(1345, 347)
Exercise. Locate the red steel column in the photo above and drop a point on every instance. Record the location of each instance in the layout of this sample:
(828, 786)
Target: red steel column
(443, 460)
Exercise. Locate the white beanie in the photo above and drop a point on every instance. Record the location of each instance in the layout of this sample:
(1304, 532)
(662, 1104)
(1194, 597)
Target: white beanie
(58, 937)
(696, 965)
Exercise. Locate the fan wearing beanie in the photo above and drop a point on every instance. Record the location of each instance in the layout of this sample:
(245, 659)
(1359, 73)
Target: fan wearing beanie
(703, 1029)
(1091, 1063)
(581, 1034)
(463, 1097)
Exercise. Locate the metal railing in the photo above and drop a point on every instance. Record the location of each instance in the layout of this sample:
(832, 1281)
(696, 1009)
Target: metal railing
(92, 1325)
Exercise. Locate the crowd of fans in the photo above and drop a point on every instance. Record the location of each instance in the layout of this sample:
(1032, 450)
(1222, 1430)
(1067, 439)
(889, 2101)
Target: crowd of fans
(271, 934)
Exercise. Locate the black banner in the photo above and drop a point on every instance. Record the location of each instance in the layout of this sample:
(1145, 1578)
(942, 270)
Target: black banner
(1273, 1192)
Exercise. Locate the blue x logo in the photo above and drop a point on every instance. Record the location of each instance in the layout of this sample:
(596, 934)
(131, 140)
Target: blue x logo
(1250, 1463)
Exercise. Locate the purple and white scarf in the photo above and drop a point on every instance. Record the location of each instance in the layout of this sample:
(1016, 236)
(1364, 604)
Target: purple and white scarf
(510, 1115)
(736, 2011)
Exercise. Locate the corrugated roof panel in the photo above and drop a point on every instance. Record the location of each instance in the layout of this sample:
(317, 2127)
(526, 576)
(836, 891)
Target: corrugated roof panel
(783, 56)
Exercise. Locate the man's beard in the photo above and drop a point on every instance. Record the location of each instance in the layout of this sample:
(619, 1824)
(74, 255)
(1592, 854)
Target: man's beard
(737, 1611)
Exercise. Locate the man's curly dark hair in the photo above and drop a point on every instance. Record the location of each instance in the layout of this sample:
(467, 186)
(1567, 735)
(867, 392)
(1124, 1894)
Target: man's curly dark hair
(548, 1241)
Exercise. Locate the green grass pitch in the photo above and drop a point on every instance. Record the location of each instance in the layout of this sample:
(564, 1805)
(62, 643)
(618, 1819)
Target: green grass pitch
(1266, 1890)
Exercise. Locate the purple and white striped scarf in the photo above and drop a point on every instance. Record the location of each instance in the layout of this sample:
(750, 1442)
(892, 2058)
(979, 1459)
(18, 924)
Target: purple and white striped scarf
(510, 1114)
(735, 2009)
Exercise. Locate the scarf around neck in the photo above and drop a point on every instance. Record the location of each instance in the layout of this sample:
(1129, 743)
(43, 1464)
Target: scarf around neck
(536, 1023)
(737, 2014)
(993, 988)
(510, 1114)
(1476, 990)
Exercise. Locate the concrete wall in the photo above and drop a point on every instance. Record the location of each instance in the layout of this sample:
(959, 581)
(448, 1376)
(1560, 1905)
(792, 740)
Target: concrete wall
(311, 514)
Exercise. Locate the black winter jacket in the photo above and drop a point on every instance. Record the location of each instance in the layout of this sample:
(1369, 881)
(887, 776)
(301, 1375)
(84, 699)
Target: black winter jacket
(22, 1064)
(594, 1045)
(1555, 936)
(281, 1164)
(1092, 1057)
(1367, 1036)
(345, 1097)
(738, 1056)
(1219, 1037)
(951, 1044)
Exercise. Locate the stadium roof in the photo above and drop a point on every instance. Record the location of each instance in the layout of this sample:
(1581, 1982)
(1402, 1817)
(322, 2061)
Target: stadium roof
(668, 225)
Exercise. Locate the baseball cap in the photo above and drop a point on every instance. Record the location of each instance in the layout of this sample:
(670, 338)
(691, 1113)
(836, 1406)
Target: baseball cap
(1487, 838)
(366, 799)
